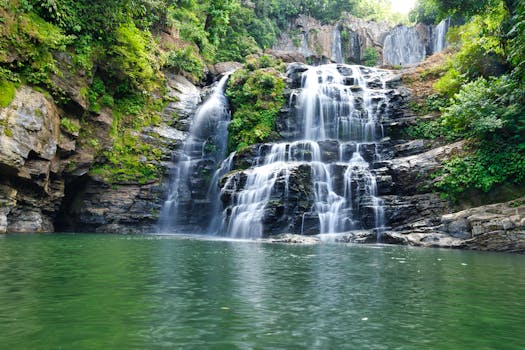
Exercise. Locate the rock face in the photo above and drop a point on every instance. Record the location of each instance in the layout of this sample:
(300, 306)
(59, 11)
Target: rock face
(45, 183)
(499, 227)
(91, 205)
(350, 40)
(323, 43)
(31, 141)
(495, 227)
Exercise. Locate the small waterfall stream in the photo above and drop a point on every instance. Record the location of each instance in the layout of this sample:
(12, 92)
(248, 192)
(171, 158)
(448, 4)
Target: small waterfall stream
(338, 106)
(337, 51)
(439, 42)
(190, 197)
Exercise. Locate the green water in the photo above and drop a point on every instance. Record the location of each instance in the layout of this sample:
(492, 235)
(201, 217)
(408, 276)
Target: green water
(153, 292)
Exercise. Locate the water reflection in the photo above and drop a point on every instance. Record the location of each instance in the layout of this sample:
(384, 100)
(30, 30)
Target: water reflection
(151, 292)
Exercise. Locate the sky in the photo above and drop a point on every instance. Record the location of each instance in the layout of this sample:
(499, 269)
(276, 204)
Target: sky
(402, 6)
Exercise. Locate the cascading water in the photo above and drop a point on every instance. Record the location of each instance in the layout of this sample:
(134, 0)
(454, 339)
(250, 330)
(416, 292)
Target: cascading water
(339, 117)
(403, 46)
(409, 45)
(337, 52)
(188, 201)
(439, 38)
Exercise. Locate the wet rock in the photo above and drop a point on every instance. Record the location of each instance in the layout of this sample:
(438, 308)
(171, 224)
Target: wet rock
(293, 238)
(294, 73)
(411, 174)
(359, 236)
(186, 98)
(221, 68)
(411, 148)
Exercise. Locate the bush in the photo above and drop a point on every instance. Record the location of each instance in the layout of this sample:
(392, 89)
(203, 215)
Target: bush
(450, 83)
(477, 110)
(185, 60)
(370, 57)
(488, 165)
(256, 98)
(134, 57)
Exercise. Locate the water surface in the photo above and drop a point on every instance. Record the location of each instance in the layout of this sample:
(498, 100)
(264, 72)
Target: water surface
(150, 292)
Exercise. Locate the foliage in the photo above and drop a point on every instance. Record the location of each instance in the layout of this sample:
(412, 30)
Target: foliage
(516, 43)
(185, 60)
(30, 41)
(370, 57)
(129, 160)
(489, 113)
(256, 97)
(486, 86)
(69, 126)
(432, 103)
(450, 83)
(432, 11)
(7, 92)
(485, 166)
(476, 111)
(133, 56)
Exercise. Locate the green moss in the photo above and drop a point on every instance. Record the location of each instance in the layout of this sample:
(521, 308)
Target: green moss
(69, 126)
(7, 93)
(129, 160)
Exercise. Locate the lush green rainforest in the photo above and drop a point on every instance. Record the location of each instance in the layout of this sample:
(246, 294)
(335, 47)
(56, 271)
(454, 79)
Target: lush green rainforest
(480, 95)
(118, 45)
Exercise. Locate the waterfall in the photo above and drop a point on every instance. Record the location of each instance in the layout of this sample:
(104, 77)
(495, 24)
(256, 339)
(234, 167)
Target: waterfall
(439, 38)
(337, 52)
(403, 46)
(189, 198)
(337, 105)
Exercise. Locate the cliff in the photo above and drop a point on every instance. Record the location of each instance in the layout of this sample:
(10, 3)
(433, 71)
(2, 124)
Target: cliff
(357, 41)
(48, 154)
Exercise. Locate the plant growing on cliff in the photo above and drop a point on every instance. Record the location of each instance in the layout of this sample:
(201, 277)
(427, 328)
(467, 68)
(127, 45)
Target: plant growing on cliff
(371, 57)
(256, 97)
(185, 60)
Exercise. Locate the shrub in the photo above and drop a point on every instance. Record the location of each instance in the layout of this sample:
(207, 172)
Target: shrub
(256, 98)
(370, 57)
(185, 60)
(133, 57)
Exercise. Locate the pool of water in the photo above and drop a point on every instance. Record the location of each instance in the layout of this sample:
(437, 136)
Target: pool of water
(149, 292)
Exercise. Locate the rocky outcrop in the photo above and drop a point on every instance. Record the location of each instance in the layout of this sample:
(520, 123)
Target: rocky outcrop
(30, 162)
(93, 205)
(45, 180)
(494, 227)
(499, 227)
(351, 40)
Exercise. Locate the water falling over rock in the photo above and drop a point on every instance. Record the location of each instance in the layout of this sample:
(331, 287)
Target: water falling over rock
(190, 196)
(403, 46)
(320, 179)
(439, 41)
(337, 52)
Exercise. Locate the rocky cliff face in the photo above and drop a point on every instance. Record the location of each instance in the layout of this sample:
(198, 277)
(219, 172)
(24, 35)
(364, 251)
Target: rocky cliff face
(45, 160)
(93, 205)
(32, 147)
(351, 39)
